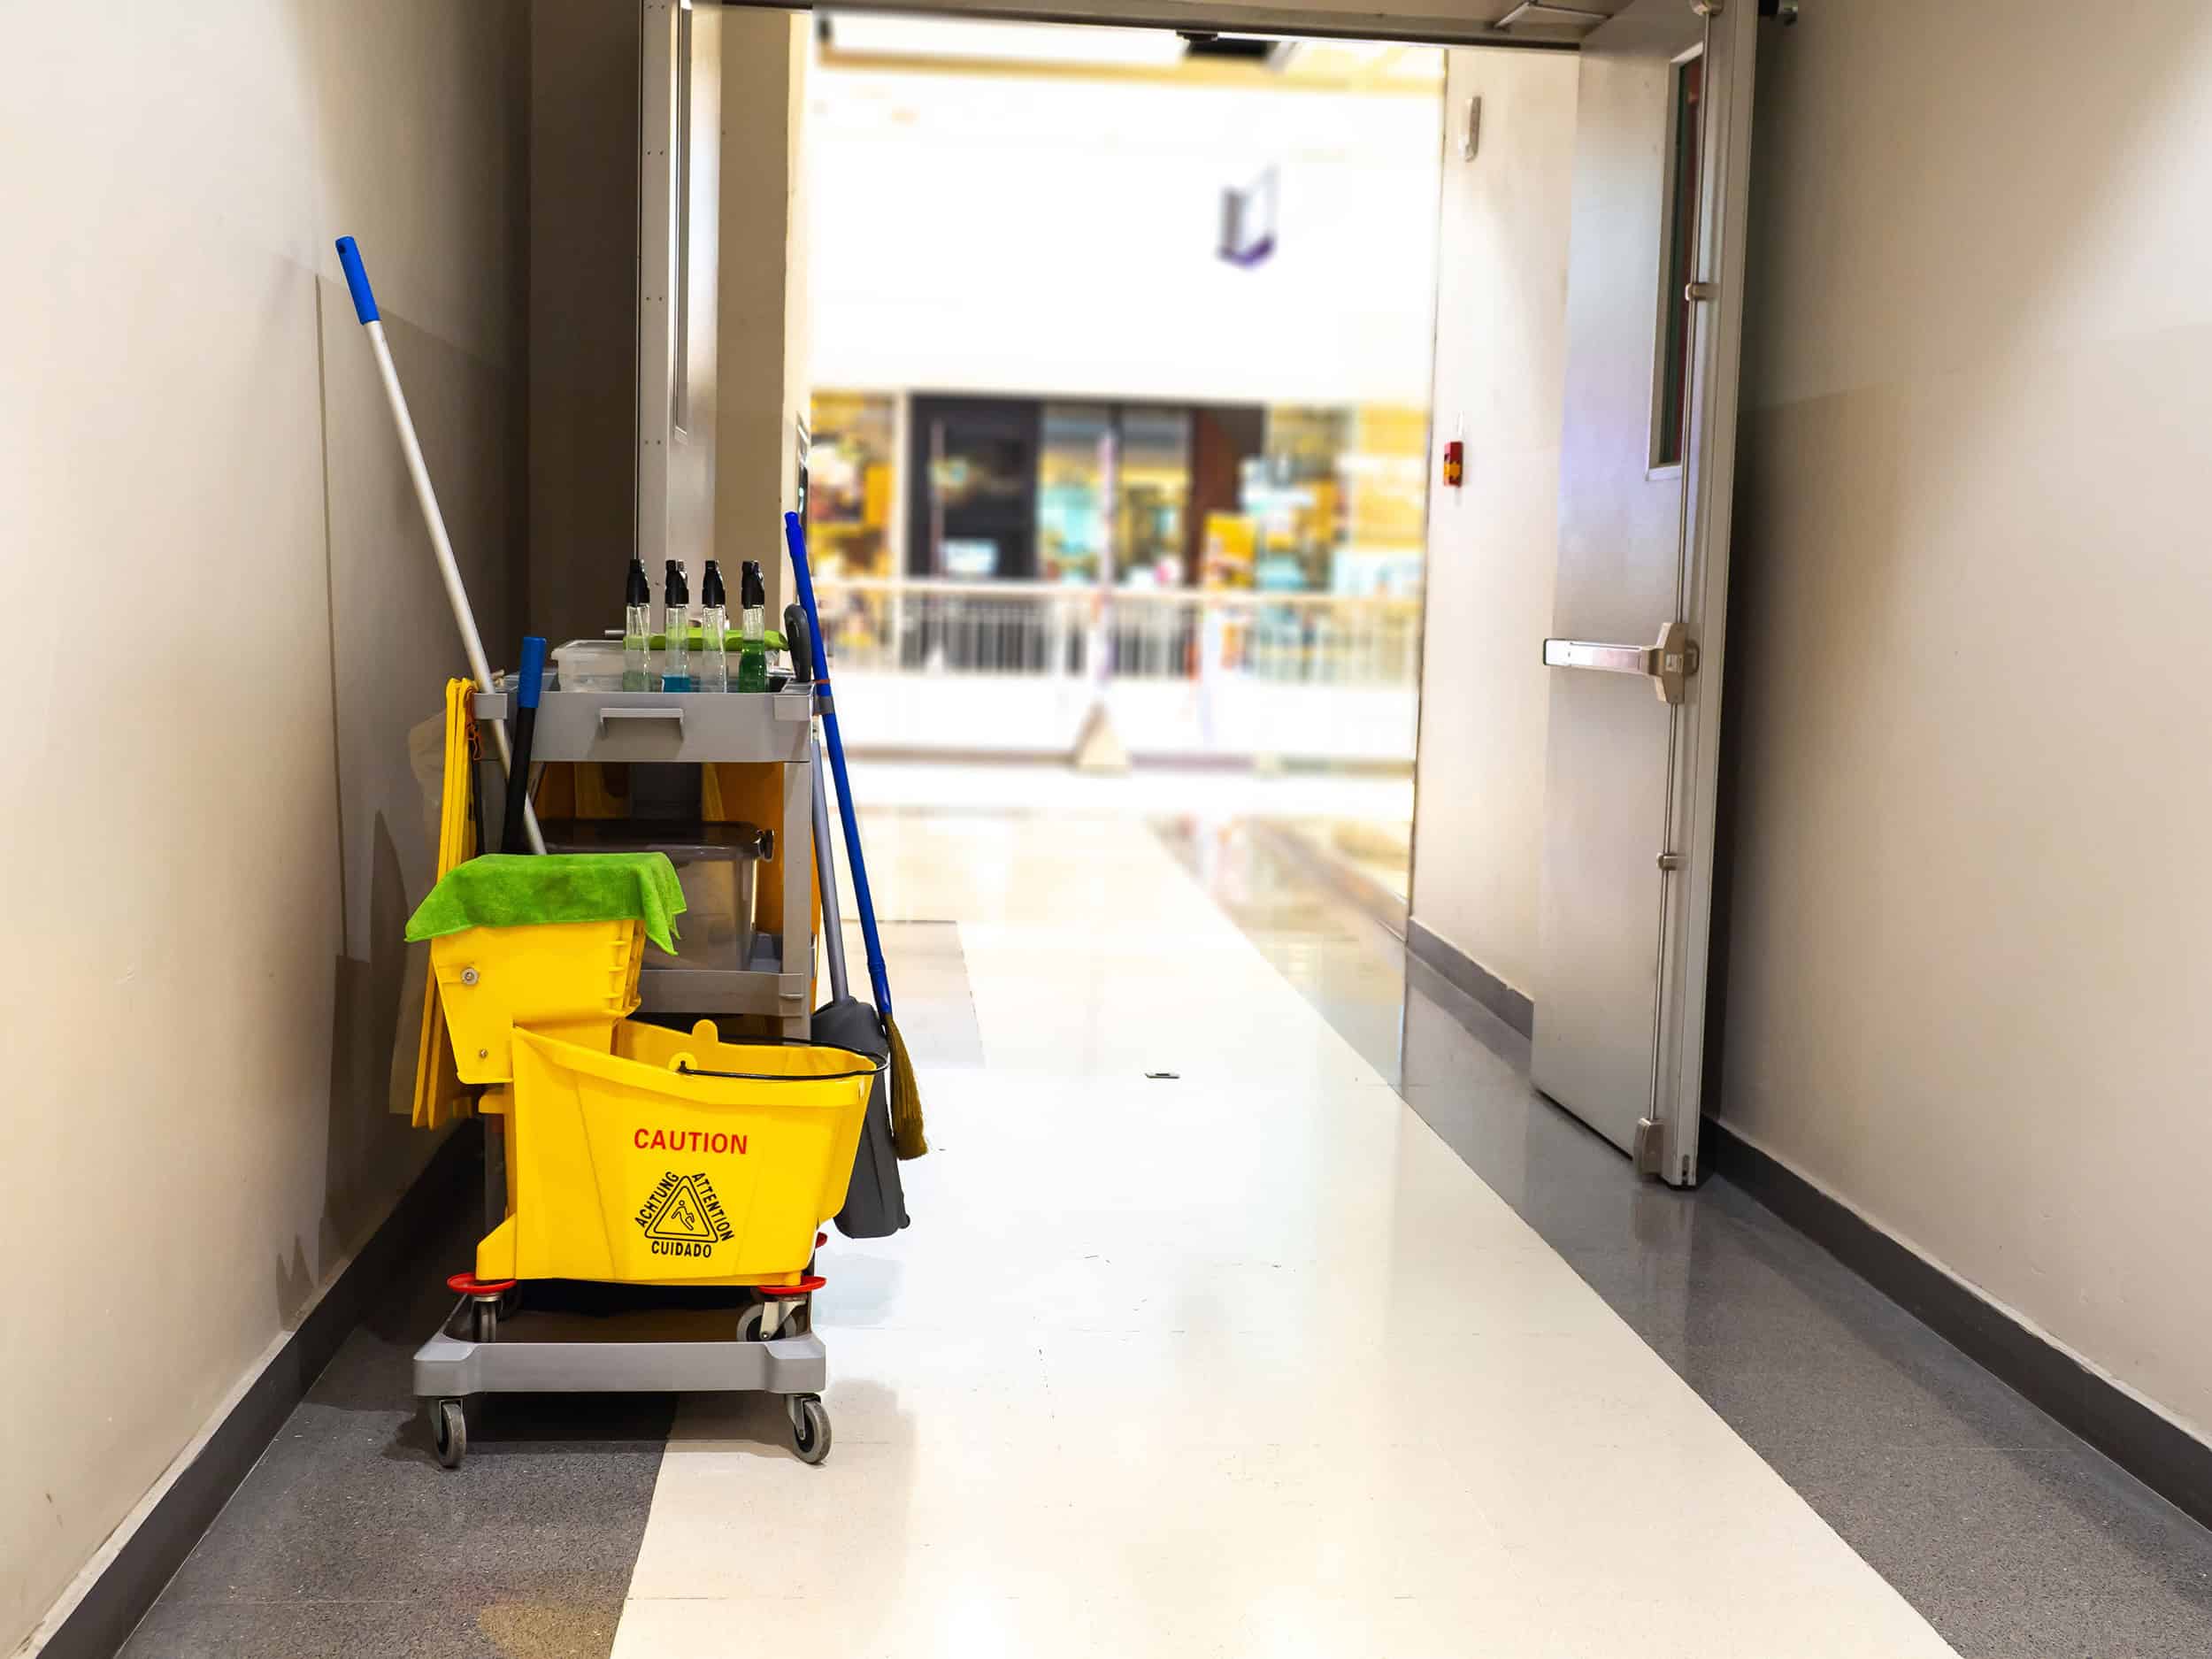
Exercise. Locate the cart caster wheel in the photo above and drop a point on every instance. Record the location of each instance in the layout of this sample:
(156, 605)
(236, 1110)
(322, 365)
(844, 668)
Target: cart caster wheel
(810, 1428)
(450, 1430)
(750, 1322)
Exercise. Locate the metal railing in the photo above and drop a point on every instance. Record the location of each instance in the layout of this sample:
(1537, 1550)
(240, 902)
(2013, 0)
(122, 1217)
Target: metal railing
(876, 625)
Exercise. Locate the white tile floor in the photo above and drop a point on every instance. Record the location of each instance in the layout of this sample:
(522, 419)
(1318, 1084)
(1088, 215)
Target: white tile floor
(1242, 1361)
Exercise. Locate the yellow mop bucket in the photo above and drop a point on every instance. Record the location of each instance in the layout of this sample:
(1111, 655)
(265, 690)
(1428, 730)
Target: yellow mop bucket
(572, 982)
(677, 1159)
(551, 945)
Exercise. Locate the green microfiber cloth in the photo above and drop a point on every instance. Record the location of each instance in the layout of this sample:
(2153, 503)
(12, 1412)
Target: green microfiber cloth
(521, 890)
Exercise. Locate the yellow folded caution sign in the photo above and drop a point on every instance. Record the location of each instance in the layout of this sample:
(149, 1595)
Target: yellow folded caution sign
(440, 1094)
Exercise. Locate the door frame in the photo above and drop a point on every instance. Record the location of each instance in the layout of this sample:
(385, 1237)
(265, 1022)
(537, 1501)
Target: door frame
(1686, 952)
(1201, 17)
(1708, 497)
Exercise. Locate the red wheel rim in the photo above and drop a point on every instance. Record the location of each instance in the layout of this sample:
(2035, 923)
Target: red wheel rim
(811, 1282)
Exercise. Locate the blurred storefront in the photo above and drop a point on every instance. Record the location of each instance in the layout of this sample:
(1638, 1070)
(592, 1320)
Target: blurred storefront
(852, 473)
(1287, 499)
(1236, 580)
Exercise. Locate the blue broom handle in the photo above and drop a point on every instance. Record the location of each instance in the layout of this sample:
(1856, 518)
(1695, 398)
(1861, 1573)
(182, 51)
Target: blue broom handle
(795, 538)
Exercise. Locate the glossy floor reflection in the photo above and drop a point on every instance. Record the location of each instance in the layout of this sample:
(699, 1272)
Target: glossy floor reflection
(1203, 1342)
(2013, 1537)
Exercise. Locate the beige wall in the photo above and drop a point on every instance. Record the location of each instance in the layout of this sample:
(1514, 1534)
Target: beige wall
(765, 388)
(1500, 318)
(226, 621)
(1970, 957)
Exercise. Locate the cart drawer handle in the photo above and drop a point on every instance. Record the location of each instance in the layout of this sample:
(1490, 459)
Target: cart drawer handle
(606, 715)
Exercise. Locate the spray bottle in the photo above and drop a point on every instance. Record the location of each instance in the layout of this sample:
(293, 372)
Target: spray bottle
(752, 645)
(675, 630)
(637, 628)
(712, 669)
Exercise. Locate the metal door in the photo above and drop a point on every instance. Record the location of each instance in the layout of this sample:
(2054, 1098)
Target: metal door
(1654, 308)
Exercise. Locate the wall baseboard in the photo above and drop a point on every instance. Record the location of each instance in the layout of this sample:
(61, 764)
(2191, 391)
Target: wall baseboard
(111, 1606)
(1471, 977)
(2156, 1450)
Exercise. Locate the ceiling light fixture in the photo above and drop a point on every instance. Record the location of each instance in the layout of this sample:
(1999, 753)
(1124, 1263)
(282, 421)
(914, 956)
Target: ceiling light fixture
(885, 34)
(1543, 12)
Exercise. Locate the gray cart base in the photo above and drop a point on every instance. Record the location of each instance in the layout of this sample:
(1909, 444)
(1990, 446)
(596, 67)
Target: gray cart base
(655, 1351)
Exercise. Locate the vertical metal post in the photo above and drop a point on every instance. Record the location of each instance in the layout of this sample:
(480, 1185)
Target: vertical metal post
(796, 947)
(825, 873)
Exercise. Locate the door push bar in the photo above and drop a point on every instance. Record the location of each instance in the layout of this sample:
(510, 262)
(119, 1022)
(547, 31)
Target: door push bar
(1668, 663)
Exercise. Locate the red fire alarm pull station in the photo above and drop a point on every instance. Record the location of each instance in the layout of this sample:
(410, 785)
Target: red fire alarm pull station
(1455, 463)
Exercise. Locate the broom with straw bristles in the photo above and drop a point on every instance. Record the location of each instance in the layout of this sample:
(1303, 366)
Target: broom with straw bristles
(906, 1100)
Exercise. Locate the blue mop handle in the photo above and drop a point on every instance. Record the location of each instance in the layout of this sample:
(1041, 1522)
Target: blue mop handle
(357, 281)
(426, 498)
(795, 538)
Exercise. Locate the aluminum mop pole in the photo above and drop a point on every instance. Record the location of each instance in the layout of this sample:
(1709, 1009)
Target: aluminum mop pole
(441, 543)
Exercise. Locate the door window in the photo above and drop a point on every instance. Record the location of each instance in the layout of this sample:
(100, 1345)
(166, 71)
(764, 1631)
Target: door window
(1670, 395)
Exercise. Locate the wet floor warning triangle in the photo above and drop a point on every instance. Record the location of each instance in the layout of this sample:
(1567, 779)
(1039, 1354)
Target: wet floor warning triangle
(680, 1214)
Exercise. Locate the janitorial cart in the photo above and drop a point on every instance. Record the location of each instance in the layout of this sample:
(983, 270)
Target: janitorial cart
(627, 997)
(664, 1135)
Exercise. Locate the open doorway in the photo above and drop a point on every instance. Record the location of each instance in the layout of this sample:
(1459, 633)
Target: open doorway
(1042, 254)
(1119, 454)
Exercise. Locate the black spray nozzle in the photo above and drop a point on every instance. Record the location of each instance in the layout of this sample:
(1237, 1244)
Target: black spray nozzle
(674, 589)
(710, 590)
(796, 639)
(637, 591)
(752, 592)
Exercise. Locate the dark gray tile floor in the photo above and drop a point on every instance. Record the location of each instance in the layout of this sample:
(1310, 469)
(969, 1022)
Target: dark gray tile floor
(2013, 1538)
(349, 1540)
